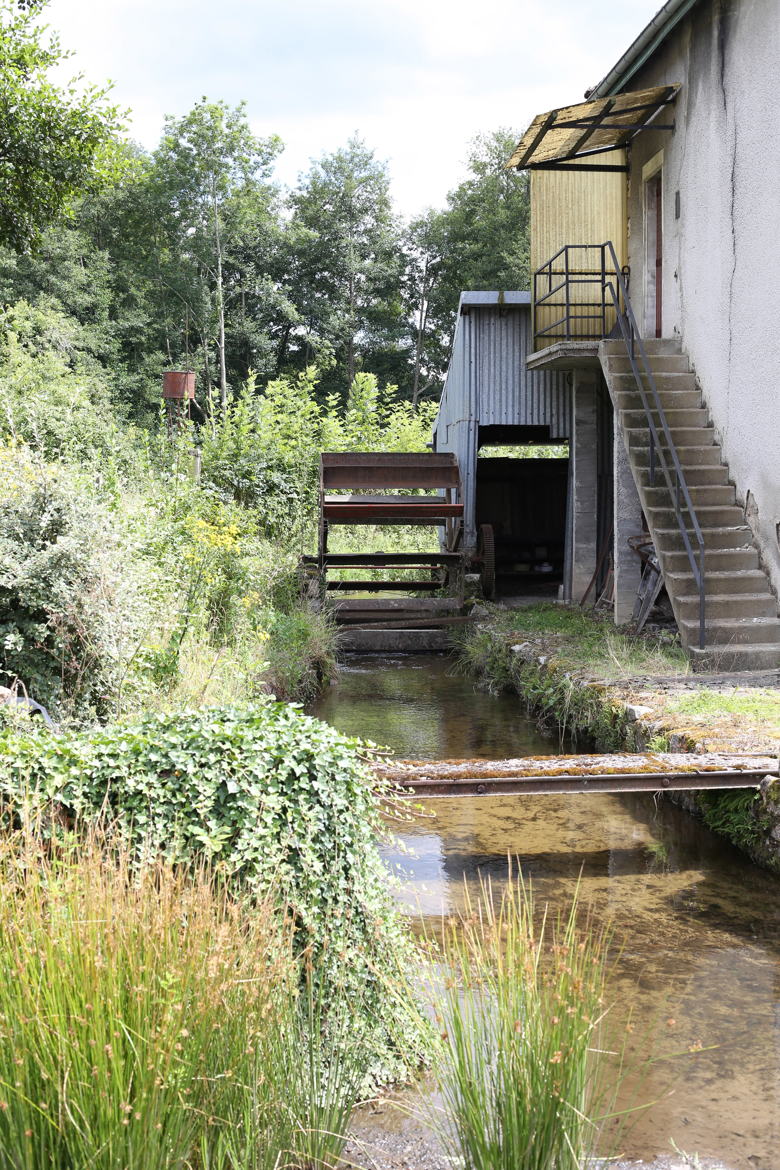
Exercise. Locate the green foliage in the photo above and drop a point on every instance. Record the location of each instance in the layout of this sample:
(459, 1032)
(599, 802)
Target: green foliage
(264, 452)
(207, 184)
(349, 263)
(274, 798)
(152, 1020)
(479, 241)
(526, 451)
(739, 815)
(72, 608)
(53, 394)
(58, 141)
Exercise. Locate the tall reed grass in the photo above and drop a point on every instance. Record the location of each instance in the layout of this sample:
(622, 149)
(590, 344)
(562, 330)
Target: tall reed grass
(151, 1021)
(524, 1078)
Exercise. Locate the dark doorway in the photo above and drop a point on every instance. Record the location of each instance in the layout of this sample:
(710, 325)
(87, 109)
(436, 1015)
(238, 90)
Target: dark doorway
(521, 498)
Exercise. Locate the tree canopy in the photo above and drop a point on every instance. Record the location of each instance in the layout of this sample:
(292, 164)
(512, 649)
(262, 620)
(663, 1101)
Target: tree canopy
(193, 255)
(57, 141)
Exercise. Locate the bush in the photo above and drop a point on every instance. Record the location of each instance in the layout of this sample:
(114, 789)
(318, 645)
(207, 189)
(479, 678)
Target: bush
(71, 606)
(54, 397)
(274, 798)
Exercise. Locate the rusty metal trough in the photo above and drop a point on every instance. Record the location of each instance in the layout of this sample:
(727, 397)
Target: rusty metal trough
(536, 775)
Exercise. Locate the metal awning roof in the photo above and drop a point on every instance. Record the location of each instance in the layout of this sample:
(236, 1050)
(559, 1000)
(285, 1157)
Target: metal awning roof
(560, 139)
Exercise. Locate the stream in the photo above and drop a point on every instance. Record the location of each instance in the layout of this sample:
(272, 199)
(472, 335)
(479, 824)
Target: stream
(699, 924)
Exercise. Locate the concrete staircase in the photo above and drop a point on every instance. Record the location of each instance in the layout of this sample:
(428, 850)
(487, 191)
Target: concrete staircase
(742, 624)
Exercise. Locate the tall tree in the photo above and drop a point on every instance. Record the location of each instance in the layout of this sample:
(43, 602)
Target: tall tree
(349, 261)
(479, 241)
(56, 141)
(210, 171)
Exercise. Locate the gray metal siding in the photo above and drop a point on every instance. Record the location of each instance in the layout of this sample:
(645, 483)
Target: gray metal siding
(488, 384)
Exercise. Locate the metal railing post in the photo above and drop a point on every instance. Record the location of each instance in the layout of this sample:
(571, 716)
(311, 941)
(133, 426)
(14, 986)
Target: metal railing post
(567, 293)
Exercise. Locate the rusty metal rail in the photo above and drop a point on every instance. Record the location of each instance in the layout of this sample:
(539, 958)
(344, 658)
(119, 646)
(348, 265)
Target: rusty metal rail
(537, 775)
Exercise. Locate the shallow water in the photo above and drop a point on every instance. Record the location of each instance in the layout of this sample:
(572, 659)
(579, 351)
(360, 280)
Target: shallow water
(700, 925)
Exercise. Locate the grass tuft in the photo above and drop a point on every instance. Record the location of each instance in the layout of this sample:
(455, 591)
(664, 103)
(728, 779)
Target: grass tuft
(150, 1020)
(525, 1081)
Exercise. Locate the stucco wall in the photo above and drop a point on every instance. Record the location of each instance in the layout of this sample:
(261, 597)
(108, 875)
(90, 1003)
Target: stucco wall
(721, 257)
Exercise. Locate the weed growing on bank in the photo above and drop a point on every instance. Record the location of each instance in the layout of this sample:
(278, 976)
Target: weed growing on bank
(561, 661)
(575, 640)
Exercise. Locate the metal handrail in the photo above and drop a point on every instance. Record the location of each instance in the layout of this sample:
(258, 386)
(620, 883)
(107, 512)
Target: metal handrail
(613, 285)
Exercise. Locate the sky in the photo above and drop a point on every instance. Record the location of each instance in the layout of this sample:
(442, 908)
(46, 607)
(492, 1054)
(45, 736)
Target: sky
(417, 79)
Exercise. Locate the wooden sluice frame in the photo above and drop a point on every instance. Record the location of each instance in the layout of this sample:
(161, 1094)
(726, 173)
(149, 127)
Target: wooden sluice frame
(538, 775)
(351, 492)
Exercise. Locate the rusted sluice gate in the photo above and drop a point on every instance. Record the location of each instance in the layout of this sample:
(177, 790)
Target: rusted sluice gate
(537, 775)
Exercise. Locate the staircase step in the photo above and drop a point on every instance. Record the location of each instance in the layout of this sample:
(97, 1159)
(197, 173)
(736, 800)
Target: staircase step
(670, 539)
(629, 398)
(679, 581)
(727, 605)
(676, 418)
(663, 363)
(651, 344)
(734, 560)
(703, 495)
(709, 516)
(722, 658)
(689, 456)
(696, 436)
(713, 476)
(669, 382)
(733, 631)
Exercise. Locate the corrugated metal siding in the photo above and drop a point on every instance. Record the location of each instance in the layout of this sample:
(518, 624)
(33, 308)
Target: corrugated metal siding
(509, 393)
(488, 384)
(569, 208)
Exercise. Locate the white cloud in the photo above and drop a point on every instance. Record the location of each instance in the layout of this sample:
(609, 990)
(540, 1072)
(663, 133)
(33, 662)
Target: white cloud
(416, 78)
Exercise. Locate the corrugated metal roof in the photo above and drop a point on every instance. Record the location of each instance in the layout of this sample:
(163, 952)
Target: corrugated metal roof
(494, 298)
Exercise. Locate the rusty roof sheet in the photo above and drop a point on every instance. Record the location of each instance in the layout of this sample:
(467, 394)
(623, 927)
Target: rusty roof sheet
(590, 128)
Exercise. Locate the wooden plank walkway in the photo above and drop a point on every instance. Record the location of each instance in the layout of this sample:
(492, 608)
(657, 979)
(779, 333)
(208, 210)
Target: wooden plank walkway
(535, 775)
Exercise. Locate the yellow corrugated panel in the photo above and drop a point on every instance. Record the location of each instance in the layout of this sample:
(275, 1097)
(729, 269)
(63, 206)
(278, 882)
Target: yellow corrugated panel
(572, 208)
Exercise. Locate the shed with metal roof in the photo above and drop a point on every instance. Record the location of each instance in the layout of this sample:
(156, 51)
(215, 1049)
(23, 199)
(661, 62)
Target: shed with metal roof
(491, 398)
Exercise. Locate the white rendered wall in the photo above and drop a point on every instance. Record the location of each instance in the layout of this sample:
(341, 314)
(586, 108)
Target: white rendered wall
(721, 258)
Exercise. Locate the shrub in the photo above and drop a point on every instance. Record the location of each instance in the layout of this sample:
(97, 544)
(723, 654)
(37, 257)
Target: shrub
(274, 798)
(71, 605)
(53, 396)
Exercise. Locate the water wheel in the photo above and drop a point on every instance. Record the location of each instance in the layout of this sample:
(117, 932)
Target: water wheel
(486, 556)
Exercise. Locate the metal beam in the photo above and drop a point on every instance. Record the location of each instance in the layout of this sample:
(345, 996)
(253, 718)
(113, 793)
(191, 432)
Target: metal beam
(555, 166)
(657, 772)
(545, 126)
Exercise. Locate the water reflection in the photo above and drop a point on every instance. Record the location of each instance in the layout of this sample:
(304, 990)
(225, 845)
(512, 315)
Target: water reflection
(700, 926)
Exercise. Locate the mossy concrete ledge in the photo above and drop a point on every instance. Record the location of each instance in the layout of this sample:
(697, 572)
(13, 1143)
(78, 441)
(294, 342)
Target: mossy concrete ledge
(609, 690)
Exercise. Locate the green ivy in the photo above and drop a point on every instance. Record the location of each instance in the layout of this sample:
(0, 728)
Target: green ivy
(274, 798)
